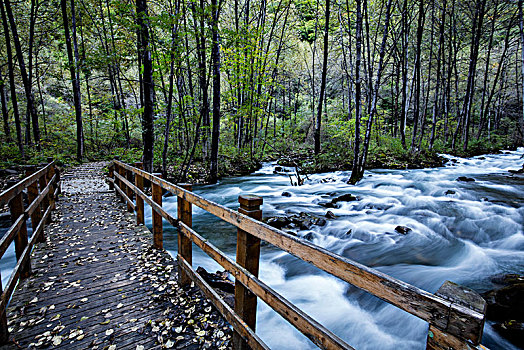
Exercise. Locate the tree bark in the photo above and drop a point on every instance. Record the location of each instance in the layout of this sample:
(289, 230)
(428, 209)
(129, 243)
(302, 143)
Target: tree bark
(148, 135)
(215, 58)
(355, 171)
(12, 85)
(318, 121)
(73, 71)
(23, 72)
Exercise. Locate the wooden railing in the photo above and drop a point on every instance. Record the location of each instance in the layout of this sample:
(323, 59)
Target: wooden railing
(42, 188)
(455, 314)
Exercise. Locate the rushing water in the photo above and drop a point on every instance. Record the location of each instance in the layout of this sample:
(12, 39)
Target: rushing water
(465, 232)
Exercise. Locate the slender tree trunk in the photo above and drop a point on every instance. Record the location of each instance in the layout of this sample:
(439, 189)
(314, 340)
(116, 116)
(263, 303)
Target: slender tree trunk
(475, 42)
(355, 171)
(148, 134)
(25, 78)
(376, 88)
(215, 58)
(416, 113)
(318, 121)
(5, 114)
(405, 65)
(169, 111)
(440, 54)
(73, 68)
(521, 29)
(12, 85)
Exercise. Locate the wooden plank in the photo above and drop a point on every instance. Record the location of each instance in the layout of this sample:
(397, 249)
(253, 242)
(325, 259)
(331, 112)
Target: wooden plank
(461, 298)
(250, 337)
(121, 192)
(41, 197)
(16, 206)
(158, 209)
(17, 188)
(317, 333)
(32, 196)
(158, 237)
(10, 234)
(20, 270)
(185, 249)
(139, 183)
(247, 256)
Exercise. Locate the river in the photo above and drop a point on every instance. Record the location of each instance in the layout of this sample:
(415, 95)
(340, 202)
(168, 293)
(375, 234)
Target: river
(465, 232)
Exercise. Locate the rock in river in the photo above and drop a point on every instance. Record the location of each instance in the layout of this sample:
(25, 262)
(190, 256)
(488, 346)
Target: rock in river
(465, 179)
(404, 230)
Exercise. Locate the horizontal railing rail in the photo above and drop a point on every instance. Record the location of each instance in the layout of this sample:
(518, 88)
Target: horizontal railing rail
(453, 321)
(42, 188)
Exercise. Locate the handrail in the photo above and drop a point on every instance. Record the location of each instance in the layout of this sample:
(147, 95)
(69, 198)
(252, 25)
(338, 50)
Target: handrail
(43, 187)
(444, 313)
(17, 188)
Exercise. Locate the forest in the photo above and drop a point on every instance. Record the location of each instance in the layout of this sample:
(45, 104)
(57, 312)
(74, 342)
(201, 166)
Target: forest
(200, 89)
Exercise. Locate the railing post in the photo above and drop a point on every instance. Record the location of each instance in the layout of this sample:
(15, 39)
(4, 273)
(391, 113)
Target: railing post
(32, 194)
(111, 169)
(51, 194)
(4, 330)
(121, 185)
(248, 256)
(450, 338)
(129, 190)
(117, 181)
(16, 207)
(156, 193)
(139, 182)
(185, 215)
(42, 182)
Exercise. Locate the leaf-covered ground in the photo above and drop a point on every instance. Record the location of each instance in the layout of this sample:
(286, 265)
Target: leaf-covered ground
(98, 284)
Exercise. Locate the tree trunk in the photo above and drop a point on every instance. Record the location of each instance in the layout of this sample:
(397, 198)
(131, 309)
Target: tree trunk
(215, 58)
(73, 71)
(521, 29)
(318, 121)
(23, 72)
(355, 171)
(148, 135)
(12, 85)
(475, 42)
(375, 91)
(5, 114)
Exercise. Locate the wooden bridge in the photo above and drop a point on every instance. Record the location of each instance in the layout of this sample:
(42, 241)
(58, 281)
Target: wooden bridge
(96, 278)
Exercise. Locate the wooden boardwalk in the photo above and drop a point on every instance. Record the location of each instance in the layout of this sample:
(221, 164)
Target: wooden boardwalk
(98, 284)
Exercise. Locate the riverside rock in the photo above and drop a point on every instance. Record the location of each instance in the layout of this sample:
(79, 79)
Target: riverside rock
(506, 307)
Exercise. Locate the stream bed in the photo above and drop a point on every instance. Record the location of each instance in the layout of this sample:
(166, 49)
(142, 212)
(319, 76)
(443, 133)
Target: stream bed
(463, 231)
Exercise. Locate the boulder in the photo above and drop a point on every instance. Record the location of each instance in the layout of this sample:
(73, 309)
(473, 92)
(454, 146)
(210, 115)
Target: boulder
(320, 222)
(327, 204)
(403, 230)
(465, 179)
(310, 236)
(448, 192)
(506, 307)
(217, 280)
(278, 221)
(348, 197)
(330, 215)
(286, 194)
